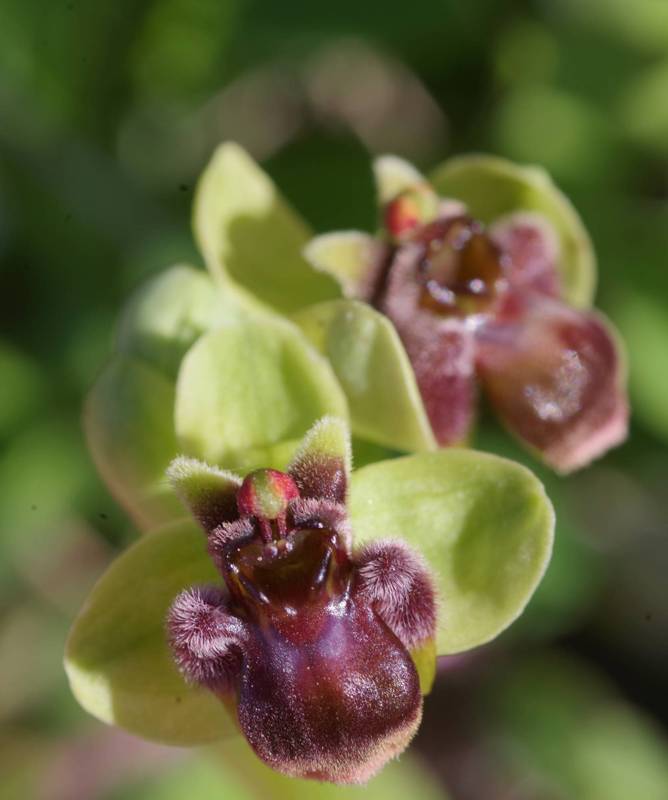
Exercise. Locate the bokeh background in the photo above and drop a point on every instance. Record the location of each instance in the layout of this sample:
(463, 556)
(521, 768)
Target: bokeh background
(108, 111)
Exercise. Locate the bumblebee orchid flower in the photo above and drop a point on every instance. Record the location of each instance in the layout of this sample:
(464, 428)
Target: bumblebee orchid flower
(483, 305)
(305, 608)
(310, 638)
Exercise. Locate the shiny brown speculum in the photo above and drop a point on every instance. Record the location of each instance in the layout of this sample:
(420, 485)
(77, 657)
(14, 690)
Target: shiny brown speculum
(460, 269)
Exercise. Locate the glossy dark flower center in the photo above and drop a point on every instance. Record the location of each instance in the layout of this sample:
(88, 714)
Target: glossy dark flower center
(460, 269)
(274, 580)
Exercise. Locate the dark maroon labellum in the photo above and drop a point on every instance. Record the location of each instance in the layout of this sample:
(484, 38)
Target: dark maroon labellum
(310, 640)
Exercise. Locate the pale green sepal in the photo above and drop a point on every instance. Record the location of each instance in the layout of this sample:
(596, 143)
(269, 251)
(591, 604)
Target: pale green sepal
(483, 523)
(247, 232)
(249, 387)
(117, 658)
(166, 315)
(128, 422)
(371, 364)
(351, 257)
(492, 187)
(394, 175)
(424, 658)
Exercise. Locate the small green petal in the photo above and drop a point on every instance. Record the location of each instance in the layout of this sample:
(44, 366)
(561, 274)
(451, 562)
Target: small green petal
(322, 464)
(350, 257)
(128, 421)
(251, 387)
(209, 493)
(117, 658)
(424, 658)
(328, 438)
(247, 232)
(492, 187)
(394, 175)
(372, 366)
(483, 523)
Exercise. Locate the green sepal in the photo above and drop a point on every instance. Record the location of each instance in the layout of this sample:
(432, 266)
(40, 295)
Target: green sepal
(166, 316)
(249, 234)
(483, 523)
(247, 392)
(371, 365)
(117, 658)
(128, 422)
(352, 258)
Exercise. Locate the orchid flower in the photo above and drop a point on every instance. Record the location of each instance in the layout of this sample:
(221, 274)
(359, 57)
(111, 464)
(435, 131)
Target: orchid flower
(482, 299)
(305, 609)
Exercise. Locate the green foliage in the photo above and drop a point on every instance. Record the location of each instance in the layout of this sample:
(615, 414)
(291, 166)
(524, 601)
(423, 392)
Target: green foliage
(129, 426)
(644, 324)
(567, 730)
(109, 112)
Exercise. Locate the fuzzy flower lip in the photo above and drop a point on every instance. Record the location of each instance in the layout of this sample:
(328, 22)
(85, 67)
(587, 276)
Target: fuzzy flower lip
(309, 639)
(480, 306)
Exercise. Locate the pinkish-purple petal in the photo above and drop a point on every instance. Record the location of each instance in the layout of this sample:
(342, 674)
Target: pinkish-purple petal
(441, 350)
(531, 247)
(555, 377)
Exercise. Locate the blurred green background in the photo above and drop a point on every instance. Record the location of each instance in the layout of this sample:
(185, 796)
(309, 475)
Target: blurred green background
(108, 111)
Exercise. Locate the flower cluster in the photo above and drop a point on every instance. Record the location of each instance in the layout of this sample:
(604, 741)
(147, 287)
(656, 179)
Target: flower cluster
(295, 619)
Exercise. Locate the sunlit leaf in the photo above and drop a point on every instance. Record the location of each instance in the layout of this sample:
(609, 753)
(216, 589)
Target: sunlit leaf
(492, 187)
(249, 390)
(372, 366)
(246, 231)
(128, 420)
(117, 658)
(483, 523)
